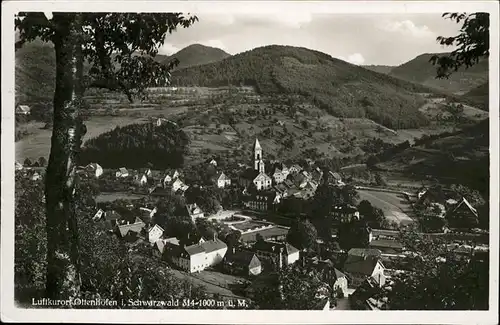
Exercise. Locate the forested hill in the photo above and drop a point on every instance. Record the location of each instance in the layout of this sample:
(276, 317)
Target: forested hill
(196, 54)
(479, 95)
(136, 146)
(420, 70)
(342, 89)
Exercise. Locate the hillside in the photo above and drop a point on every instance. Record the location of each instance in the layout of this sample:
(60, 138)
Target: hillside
(196, 54)
(479, 95)
(420, 70)
(35, 73)
(385, 69)
(340, 88)
(456, 157)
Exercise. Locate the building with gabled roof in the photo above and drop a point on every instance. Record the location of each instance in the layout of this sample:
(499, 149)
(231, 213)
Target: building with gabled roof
(23, 110)
(155, 233)
(122, 173)
(242, 262)
(221, 180)
(276, 253)
(126, 229)
(197, 257)
(362, 263)
(194, 211)
(463, 215)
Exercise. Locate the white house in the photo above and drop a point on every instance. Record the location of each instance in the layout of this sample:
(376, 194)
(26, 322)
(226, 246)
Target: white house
(143, 180)
(213, 162)
(294, 169)
(262, 182)
(18, 166)
(196, 258)
(279, 176)
(99, 214)
(155, 233)
(194, 211)
(179, 185)
(122, 173)
(36, 176)
(222, 180)
(23, 110)
(95, 169)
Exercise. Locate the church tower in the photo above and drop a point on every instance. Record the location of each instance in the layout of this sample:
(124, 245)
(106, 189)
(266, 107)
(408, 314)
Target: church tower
(258, 162)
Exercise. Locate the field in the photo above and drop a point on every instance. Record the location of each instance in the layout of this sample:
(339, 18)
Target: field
(37, 143)
(396, 208)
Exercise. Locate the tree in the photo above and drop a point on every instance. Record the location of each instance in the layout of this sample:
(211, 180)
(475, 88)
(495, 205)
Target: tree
(206, 229)
(294, 288)
(373, 216)
(302, 235)
(27, 162)
(380, 180)
(353, 234)
(42, 161)
(439, 279)
(472, 43)
(109, 42)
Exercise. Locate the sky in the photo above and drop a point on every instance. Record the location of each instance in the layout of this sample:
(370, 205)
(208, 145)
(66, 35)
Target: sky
(384, 39)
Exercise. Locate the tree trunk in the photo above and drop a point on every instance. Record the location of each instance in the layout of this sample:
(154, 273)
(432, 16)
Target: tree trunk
(63, 276)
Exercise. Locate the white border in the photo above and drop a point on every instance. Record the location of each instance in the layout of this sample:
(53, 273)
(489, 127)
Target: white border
(10, 313)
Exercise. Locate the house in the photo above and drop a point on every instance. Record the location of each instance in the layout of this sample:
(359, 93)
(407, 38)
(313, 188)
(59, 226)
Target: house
(345, 213)
(463, 215)
(213, 162)
(362, 263)
(242, 262)
(112, 217)
(194, 211)
(35, 176)
(141, 180)
(276, 254)
(262, 201)
(23, 110)
(170, 177)
(99, 214)
(178, 185)
(278, 176)
(316, 174)
(163, 245)
(95, 169)
(122, 172)
(128, 228)
(294, 169)
(330, 275)
(221, 180)
(18, 166)
(155, 233)
(146, 171)
(335, 178)
(197, 257)
(434, 194)
(387, 246)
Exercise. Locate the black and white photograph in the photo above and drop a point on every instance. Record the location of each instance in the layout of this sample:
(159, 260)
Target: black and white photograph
(250, 159)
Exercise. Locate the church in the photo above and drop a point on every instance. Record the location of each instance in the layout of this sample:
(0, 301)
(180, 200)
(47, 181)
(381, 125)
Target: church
(257, 175)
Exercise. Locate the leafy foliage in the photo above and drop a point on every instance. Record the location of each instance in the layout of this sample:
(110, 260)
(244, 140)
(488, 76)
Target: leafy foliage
(436, 278)
(473, 43)
(302, 235)
(135, 145)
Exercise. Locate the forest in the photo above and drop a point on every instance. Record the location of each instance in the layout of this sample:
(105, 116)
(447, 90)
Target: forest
(137, 146)
(341, 89)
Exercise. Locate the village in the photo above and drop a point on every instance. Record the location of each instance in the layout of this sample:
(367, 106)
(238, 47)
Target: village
(248, 238)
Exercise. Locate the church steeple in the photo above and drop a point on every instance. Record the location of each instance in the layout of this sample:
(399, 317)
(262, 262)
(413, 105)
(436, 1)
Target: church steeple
(257, 156)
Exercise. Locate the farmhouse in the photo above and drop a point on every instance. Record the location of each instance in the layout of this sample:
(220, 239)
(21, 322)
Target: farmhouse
(170, 177)
(362, 263)
(178, 185)
(463, 214)
(99, 214)
(242, 262)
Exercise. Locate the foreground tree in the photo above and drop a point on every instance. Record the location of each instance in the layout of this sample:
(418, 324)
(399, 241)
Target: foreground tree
(472, 43)
(108, 41)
